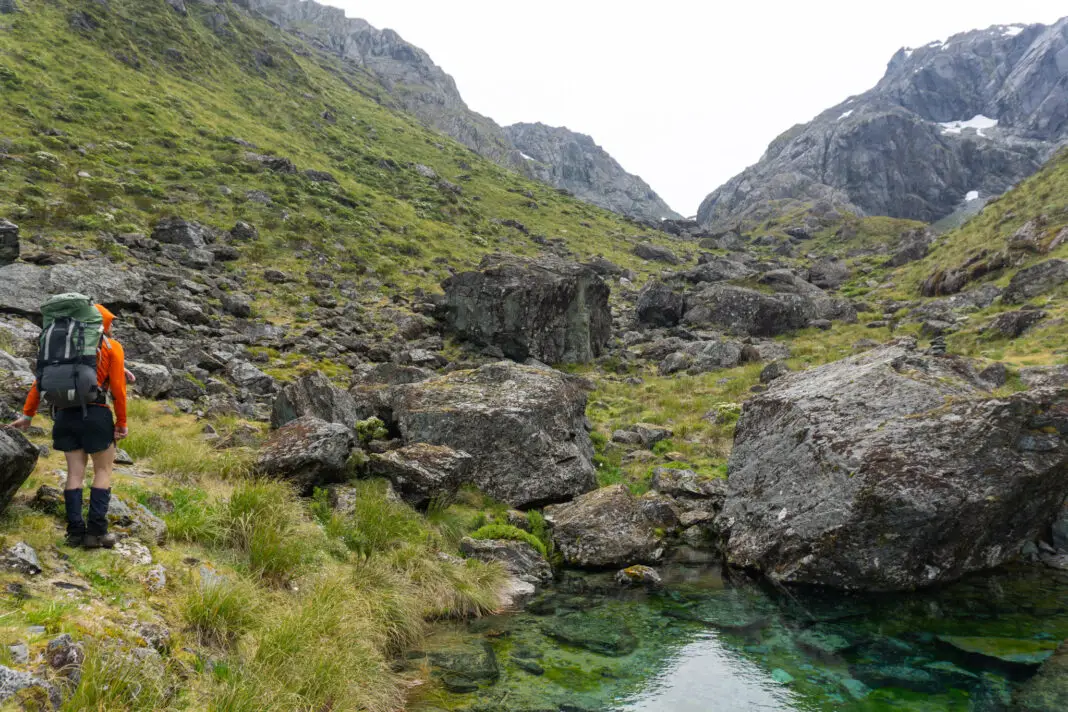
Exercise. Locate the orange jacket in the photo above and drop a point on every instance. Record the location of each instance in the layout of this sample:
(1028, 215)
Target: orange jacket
(110, 372)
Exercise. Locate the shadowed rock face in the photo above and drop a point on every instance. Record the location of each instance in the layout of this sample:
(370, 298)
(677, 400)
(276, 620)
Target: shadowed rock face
(892, 470)
(572, 161)
(548, 309)
(18, 457)
(894, 151)
(524, 428)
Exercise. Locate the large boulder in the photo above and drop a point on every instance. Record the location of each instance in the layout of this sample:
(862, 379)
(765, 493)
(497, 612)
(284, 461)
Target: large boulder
(746, 311)
(525, 428)
(185, 233)
(1048, 690)
(892, 470)
(604, 528)
(24, 287)
(315, 395)
(153, 380)
(9, 242)
(548, 309)
(421, 473)
(309, 452)
(660, 305)
(18, 457)
(1035, 280)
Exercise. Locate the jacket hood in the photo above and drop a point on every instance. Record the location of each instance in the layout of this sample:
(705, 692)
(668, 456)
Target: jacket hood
(108, 317)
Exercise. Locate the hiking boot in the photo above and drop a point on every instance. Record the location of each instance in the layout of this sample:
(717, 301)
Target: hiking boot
(75, 539)
(99, 541)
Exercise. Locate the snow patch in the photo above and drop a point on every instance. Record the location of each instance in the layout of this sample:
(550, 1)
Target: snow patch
(529, 158)
(972, 195)
(845, 115)
(908, 52)
(977, 122)
(1011, 30)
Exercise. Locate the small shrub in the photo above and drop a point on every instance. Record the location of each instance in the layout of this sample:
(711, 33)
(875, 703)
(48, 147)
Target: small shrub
(371, 429)
(507, 531)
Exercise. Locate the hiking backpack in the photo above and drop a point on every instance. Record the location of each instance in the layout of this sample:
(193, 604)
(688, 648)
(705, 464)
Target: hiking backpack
(72, 332)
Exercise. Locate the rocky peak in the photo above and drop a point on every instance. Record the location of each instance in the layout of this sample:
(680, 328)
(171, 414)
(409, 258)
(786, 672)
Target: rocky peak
(950, 122)
(574, 162)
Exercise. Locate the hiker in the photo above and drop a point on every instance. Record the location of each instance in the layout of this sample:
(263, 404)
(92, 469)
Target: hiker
(83, 426)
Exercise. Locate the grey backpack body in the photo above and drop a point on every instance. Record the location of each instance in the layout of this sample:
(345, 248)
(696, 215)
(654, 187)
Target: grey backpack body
(67, 355)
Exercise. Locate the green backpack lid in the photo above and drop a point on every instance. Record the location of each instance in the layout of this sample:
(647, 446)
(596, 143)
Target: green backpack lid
(76, 306)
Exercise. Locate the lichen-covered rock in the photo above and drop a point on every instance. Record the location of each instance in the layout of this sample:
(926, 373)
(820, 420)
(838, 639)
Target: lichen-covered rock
(12, 682)
(307, 451)
(639, 576)
(687, 483)
(314, 395)
(1034, 280)
(185, 233)
(606, 527)
(741, 310)
(423, 473)
(518, 558)
(1015, 323)
(136, 520)
(892, 470)
(524, 427)
(22, 285)
(18, 457)
(22, 558)
(547, 309)
(153, 380)
(1048, 690)
(9, 242)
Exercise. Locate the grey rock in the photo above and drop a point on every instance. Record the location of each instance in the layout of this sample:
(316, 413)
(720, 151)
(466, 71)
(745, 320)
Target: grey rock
(716, 270)
(245, 375)
(525, 428)
(1015, 323)
(48, 500)
(884, 152)
(996, 374)
(9, 242)
(650, 434)
(1044, 376)
(8, 7)
(572, 161)
(153, 380)
(20, 653)
(602, 528)
(1035, 280)
(518, 558)
(659, 305)
(18, 457)
(829, 274)
(22, 558)
(237, 304)
(548, 309)
(639, 576)
(14, 681)
(688, 484)
(65, 657)
(185, 233)
(746, 311)
(136, 520)
(422, 474)
(773, 371)
(845, 475)
(1059, 530)
(626, 437)
(1047, 691)
(23, 287)
(307, 451)
(244, 232)
(314, 395)
(655, 253)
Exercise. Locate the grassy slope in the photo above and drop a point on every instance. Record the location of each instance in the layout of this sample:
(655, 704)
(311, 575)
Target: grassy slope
(154, 140)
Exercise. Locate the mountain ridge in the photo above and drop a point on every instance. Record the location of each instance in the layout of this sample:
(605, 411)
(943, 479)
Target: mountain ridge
(914, 145)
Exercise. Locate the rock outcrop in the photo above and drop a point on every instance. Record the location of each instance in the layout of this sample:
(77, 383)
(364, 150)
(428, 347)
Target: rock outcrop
(975, 113)
(23, 287)
(548, 309)
(9, 242)
(892, 470)
(524, 427)
(574, 162)
(18, 457)
(604, 528)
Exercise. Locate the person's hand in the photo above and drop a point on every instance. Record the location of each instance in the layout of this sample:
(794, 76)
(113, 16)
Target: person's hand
(130, 378)
(22, 423)
(121, 433)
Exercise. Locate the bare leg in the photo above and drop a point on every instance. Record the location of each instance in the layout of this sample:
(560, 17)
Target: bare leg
(76, 462)
(103, 463)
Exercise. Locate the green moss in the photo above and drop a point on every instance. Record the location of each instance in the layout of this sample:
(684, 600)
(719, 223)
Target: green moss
(507, 531)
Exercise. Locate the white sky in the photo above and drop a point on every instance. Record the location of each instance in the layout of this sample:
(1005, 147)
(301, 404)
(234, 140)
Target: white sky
(684, 93)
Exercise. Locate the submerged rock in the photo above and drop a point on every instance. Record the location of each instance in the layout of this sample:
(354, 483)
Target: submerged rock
(892, 470)
(525, 427)
(596, 631)
(548, 309)
(1048, 690)
(1007, 650)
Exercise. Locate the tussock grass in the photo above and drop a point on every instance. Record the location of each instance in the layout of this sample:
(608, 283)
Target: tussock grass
(220, 609)
(114, 680)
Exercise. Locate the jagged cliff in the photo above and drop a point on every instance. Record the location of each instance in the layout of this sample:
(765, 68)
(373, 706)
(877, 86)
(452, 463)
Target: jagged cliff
(954, 120)
(573, 161)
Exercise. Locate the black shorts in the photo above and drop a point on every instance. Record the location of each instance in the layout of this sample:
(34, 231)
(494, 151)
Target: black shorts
(93, 431)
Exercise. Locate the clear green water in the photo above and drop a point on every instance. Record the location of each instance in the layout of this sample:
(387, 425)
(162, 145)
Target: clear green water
(705, 644)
